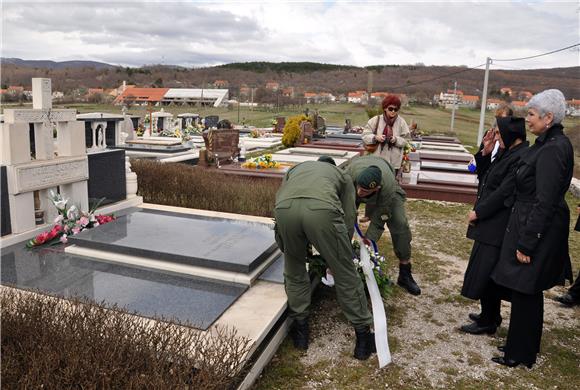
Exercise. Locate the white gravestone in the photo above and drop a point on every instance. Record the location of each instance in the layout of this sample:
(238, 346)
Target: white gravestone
(68, 170)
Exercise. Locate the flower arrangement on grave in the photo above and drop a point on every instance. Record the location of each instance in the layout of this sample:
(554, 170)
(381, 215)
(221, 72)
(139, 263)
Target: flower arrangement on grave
(70, 221)
(318, 266)
(406, 163)
(261, 162)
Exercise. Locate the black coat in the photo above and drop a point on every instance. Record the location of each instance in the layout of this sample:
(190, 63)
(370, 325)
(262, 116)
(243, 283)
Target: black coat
(540, 219)
(495, 195)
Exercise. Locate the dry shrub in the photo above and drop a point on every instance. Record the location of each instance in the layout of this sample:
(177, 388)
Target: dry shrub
(55, 344)
(182, 185)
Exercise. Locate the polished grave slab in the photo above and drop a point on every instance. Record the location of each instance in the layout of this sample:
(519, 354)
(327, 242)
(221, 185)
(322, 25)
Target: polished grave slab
(154, 294)
(195, 240)
(275, 272)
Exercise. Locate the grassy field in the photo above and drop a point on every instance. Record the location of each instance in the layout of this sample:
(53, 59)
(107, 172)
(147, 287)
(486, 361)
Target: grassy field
(430, 120)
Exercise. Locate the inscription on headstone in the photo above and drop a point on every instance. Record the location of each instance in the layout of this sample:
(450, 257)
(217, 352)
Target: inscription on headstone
(39, 175)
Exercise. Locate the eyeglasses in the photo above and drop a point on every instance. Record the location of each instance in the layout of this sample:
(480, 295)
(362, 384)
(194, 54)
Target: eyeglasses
(392, 109)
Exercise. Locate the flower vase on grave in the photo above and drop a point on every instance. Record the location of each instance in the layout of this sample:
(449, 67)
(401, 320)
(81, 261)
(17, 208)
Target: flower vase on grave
(38, 212)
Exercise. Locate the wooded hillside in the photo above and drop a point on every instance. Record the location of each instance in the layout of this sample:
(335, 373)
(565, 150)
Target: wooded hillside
(418, 81)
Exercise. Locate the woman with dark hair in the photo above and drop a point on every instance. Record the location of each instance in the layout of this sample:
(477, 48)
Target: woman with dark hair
(489, 217)
(534, 255)
(390, 131)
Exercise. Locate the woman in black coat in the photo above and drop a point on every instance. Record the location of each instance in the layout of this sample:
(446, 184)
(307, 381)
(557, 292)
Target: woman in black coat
(534, 255)
(489, 217)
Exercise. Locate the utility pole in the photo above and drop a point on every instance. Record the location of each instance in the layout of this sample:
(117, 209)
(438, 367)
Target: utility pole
(483, 102)
(454, 104)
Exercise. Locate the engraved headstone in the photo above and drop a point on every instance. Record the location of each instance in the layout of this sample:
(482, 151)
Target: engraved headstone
(211, 121)
(222, 143)
(64, 167)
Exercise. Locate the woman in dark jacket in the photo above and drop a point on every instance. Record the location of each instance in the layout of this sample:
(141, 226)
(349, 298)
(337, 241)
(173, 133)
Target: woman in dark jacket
(489, 217)
(534, 255)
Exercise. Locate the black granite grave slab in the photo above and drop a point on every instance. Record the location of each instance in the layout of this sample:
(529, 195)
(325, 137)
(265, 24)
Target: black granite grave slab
(5, 225)
(154, 294)
(275, 271)
(107, 176)
(222, 244)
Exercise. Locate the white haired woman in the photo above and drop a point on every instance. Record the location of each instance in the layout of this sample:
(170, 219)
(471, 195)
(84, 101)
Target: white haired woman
(534, 255)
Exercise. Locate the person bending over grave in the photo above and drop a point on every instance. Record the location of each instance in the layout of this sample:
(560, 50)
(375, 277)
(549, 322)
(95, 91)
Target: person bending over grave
(489, 217)
(316, 205)
(534, 255)
(377, 187)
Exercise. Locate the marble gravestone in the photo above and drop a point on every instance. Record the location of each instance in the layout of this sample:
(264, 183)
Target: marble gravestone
(226, 245)
(48, 166)
(183, 298)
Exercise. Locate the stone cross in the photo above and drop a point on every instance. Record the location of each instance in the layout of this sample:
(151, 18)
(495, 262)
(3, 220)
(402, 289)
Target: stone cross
(67, 171)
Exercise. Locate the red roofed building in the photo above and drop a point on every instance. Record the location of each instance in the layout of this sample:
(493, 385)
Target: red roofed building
(142, 95)
(272, 85)
(15, 89)
(357, 97)
(94, 91)
(518, 103)
(288, 92)
(221, 84)
(469, 101)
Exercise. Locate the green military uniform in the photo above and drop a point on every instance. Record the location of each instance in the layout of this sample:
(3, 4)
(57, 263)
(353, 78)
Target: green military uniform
(386, 206)
(316, 205)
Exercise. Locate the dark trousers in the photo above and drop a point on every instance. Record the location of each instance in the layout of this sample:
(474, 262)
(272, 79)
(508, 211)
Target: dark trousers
(525, 330)
(491, 304)
(574, 289)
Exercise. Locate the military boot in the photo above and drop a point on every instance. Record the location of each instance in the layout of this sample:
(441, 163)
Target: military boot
(299, 333)
(365, 344)
(406, 279)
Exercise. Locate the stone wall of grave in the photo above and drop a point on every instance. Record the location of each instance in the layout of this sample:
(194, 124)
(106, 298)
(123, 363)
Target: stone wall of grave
(5, 226)
(107, 176)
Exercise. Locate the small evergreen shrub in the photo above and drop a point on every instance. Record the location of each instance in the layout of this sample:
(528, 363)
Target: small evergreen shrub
(183, 185)
(292, 130)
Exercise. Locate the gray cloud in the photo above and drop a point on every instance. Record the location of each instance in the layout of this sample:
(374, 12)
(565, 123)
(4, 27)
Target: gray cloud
(362, 33)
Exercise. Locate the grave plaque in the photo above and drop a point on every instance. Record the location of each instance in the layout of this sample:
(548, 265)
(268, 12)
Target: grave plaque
(211, 121)
(39, 175)
(149, 293)
(216, 243)
(223, 143)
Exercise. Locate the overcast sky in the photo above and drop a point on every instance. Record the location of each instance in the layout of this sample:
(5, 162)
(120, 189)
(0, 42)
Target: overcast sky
(361, 33)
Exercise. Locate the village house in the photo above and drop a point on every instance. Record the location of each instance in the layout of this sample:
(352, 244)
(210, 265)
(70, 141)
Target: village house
(288, 92)
(221, 84)
(469, 101)
(493, 104)
(358, 97)
(272, 85)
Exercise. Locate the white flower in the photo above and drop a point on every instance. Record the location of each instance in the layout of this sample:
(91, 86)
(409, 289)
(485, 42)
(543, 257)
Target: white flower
(73, 212)
(58, 219)
(60, 203)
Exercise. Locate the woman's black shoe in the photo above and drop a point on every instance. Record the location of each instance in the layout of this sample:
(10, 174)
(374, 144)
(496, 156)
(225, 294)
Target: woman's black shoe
(475, 328)
(477, 317)
(509, 362)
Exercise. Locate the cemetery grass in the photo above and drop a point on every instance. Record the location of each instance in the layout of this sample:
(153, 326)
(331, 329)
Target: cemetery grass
(427, 347)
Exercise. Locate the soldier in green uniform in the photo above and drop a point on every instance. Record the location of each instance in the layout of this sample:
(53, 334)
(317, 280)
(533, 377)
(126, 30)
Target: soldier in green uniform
(316, 205)
(377, 187)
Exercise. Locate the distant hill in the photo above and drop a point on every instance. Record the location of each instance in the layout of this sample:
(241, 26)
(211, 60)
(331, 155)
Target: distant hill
(46, 64)
(421, 82)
